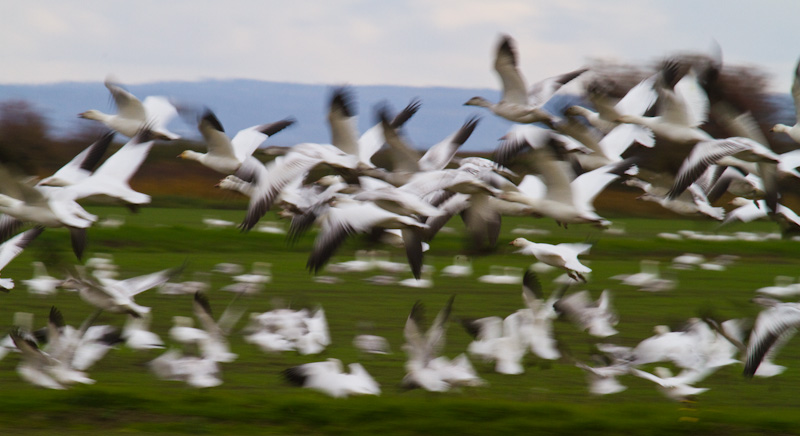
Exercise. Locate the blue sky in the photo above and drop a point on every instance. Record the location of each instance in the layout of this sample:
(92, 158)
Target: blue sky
(414, 42)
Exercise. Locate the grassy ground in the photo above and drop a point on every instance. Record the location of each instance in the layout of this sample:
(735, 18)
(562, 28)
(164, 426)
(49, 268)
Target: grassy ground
(550, 398)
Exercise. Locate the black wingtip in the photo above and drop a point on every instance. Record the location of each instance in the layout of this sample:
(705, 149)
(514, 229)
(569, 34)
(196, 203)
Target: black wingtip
(201, 299)
(56, 317)
(530, 281)
(295, 375)
(210, 118)
(273, 128)
(343, 99)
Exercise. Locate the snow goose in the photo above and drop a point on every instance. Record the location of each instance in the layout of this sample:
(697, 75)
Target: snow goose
(293, 166)
(598, 318)
(726, 151)
(112, 178)
(132, 114)
(518, 104)
(636, 101)
(43, 206)
(564, 256)
(226, 155)
(794, 130)
(422, 348)
(137, 335)
(561, 196)
(372, 344)
(603, 379)
(12, 248)
(215, 344)
(776, 320)
(82, 165)
(117, 296)
(41, 283)
(785, 286)
(683, 107)
(198, 372)
(461, 267)
(329, 377)
(348, 216)
(536, 320)
(678, 388)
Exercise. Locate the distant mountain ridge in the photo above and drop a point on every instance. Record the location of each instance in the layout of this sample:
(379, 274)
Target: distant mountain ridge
(241, 103)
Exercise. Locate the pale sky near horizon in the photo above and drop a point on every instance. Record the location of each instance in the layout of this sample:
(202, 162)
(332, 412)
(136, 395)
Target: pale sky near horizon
(360, 42)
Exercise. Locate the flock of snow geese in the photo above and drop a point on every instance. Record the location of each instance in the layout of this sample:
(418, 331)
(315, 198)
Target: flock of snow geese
(575, 153)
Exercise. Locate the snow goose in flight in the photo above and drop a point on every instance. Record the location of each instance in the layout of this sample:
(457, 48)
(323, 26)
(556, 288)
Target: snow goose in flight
(197, 372)
(682, 107)
(41, 283)
(226, 155)
(636, 101)
(43, 206)
(132, 114)
(518, 104)
(794, 130)
(117, 296)
(775, 321)
(679, 387)
(564, 256)
(598, 318)
(726, 151)
(137, 335)
(12, 248)
(329, 377)
(112, 177)
(407, 159)
(347, 216)
(215, 345)
(561, 197)
(82, 165)
(286, 169)
(423, 348)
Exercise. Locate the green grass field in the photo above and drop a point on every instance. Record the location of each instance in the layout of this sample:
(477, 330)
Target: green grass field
(550, 398)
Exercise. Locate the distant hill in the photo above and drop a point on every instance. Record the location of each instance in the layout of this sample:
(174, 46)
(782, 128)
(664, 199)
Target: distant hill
(243, 103)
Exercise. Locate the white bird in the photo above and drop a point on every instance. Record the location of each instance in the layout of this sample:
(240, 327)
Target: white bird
(564, 256)
(677, 387)
(603, 379)
(81, 166)
(347, 217)
(372, 344)
(772, 323)
(518, 104)
(785, 286)
(461, 267)
(794, 130)
(598, 318)
(137, 335)
(41, 283)
(226, 155)
(133, 114)
(329, 377)
(502, 275)
(12, 248)
(117, 296)
(198, 372)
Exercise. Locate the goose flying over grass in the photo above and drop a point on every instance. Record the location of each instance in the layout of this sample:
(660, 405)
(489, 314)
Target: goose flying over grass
(564, 256)
(776, 320)
(519, 104)
(226, 155)
(329, 377)
(117, 296)
(133, 114)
